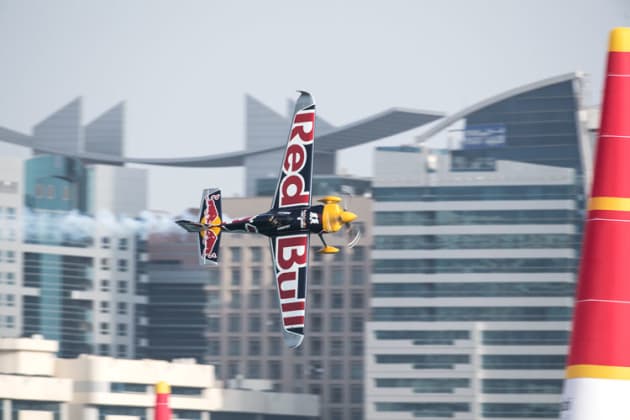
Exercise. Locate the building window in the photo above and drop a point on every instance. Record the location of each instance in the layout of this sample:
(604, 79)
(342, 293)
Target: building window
(298, 371)
(122, 308)
(104, 285)
(273, 324)
(337, 276)
(336, 370)
(316, 323)
(316, 300)
(51, 191)
(275, 346)
(122, 265)
(257, 276)
(336, 394)
(336, 348)
(10, 256)
(236, 254)
(122, 350)
(66, 193)
(122, 330)
(253, 369)
(214, 324)
(234, 323)
(356, 347)
(358, 253)
(214, 277)
(356, 324)
(234, 347)
(316, 276)
(104, 328)
(103, 349)
(275, 370)
(9, 321)
(104, 307)
(214, 299)
(105, 242)
(10, 213)
(235, 302)
(104, 263)
(39, 191)
(234, 369)
(336, 300)
(356, 370)
(10, 300)
(122, 286)
(254, 300)
(256, 253)
(336, 323)
(357, 276)
(253, 347)
(122, 244)
(214, 347)
(272, 298)
(356, 394)
(236, 277)
(357, 300)
(255, 325)
(316, 347)
(10, 278)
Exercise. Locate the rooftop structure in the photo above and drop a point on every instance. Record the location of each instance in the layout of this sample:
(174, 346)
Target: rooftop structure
(34, 384)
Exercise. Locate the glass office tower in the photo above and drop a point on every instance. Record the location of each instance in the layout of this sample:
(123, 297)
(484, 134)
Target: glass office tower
(474, 262)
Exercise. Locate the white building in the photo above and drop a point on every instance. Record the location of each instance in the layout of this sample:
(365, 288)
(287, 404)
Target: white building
(35, 385)
(474, 261)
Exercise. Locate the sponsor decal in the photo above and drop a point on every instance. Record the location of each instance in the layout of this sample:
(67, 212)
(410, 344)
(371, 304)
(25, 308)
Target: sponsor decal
(296, 165)
(211, 217)
(291, 257)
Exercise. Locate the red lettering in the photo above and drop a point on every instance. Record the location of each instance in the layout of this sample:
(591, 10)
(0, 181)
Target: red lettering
(297, 247)
(302, 120)
(293, 320)
(287, 276)
(293, 306)
(295, 158)
(292, 191)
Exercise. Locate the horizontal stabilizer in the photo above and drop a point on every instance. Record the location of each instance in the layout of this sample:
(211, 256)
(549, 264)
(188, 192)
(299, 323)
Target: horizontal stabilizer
(191, 226)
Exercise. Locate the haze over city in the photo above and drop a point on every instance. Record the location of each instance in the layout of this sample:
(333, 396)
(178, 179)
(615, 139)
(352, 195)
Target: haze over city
(183, 69)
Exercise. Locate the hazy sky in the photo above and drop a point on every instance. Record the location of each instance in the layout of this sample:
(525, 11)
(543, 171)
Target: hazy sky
(183, 67)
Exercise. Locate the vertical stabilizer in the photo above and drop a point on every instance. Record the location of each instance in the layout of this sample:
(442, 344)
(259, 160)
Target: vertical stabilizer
(597, 384)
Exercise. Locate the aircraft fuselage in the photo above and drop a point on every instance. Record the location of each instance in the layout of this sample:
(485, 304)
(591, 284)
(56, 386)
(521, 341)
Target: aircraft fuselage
(280, 222)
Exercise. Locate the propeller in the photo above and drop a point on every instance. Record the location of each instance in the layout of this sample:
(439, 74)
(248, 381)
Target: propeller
(353, 233)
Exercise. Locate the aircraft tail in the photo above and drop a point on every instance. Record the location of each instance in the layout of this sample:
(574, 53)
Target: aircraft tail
(208, 226)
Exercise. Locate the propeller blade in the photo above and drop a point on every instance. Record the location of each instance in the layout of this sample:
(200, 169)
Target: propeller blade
(354, 234)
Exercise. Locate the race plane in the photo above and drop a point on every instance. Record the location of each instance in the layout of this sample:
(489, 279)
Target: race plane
(288, 223)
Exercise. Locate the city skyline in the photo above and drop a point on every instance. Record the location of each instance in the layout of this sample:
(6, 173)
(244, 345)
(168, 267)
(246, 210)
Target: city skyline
(183, 71)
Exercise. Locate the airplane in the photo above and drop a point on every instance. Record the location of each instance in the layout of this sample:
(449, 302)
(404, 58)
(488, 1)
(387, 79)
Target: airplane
(288, 224)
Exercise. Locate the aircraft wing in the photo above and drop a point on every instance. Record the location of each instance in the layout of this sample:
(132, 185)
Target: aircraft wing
(296, 171)
(290, 262)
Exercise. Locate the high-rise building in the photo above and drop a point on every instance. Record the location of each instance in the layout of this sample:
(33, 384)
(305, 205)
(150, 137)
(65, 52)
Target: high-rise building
(72, 252)
(228, 315)
(474, 260)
